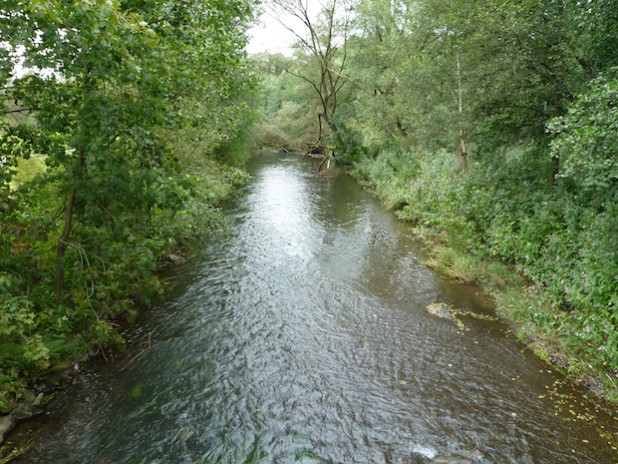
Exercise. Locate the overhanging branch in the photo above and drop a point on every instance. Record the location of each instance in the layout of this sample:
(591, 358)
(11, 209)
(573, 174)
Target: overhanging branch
(21, 110)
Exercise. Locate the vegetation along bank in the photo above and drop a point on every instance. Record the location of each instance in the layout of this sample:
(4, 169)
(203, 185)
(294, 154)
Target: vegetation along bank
(118, 137)
(490, 126)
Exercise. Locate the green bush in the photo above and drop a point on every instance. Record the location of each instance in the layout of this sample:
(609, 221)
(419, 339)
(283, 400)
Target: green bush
(586, 141)
(111, 266)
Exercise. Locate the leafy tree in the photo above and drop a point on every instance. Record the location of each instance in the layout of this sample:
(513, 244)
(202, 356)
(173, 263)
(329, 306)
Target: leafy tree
(527, 90)
(287, 105)
(105, 100)
(586, 141)
(597, 34)
(321, 52)
(128, 102)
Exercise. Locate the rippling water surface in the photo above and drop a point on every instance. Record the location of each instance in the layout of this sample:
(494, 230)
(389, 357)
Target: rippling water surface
(305, 338)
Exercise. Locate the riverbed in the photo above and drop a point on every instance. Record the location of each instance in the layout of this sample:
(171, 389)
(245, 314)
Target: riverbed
(305, 336)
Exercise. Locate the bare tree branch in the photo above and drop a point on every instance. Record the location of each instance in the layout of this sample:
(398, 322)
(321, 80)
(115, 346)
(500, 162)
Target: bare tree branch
(21, 110)
(324, 39)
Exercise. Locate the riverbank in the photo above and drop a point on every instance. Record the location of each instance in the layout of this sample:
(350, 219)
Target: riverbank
(309, 328)
(515, 242)
(43, 345)
(521, 308)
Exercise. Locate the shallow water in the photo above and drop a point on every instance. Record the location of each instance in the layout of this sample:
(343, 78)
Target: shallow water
(304, 337)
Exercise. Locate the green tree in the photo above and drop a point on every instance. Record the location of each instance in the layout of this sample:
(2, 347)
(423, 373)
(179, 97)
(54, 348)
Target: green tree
(288, 105)
(128, 103)
(120, 67)
(586, 141)
(321, 49)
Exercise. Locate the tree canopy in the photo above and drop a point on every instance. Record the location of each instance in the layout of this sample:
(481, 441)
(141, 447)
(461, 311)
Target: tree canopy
(126, 104)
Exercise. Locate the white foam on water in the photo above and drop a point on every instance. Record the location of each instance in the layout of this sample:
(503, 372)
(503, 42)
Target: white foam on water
(425, 451)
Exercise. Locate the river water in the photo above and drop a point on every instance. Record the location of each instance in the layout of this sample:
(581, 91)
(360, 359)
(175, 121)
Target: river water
(304, 337)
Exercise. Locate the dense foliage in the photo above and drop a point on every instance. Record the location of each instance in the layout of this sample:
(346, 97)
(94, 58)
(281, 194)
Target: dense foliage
(287, 115)
(108, 158)
(492, 126)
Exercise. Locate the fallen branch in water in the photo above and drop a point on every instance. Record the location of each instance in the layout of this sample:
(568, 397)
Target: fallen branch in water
(140, 354)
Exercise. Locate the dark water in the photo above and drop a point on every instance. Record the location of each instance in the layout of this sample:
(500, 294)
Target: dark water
(305, 338)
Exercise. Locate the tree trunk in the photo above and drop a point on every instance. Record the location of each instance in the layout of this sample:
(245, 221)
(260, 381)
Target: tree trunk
(63, 241)
(555, 167)
(463, 151)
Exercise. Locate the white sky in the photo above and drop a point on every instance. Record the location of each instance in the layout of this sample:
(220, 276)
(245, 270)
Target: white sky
(270, 36)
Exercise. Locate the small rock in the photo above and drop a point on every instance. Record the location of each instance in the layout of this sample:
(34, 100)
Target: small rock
(28, 396)
(442, 311)
(23, 411)
(175, 258)
(38, 400)
(7, 423)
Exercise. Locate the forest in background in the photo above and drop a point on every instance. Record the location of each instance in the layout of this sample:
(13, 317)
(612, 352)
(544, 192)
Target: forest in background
(492, 126)
(116, 148)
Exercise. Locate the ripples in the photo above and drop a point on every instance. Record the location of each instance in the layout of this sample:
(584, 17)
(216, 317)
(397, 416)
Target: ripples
(304, 338)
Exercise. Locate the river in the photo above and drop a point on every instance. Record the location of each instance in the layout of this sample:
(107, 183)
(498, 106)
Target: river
(304, 337)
